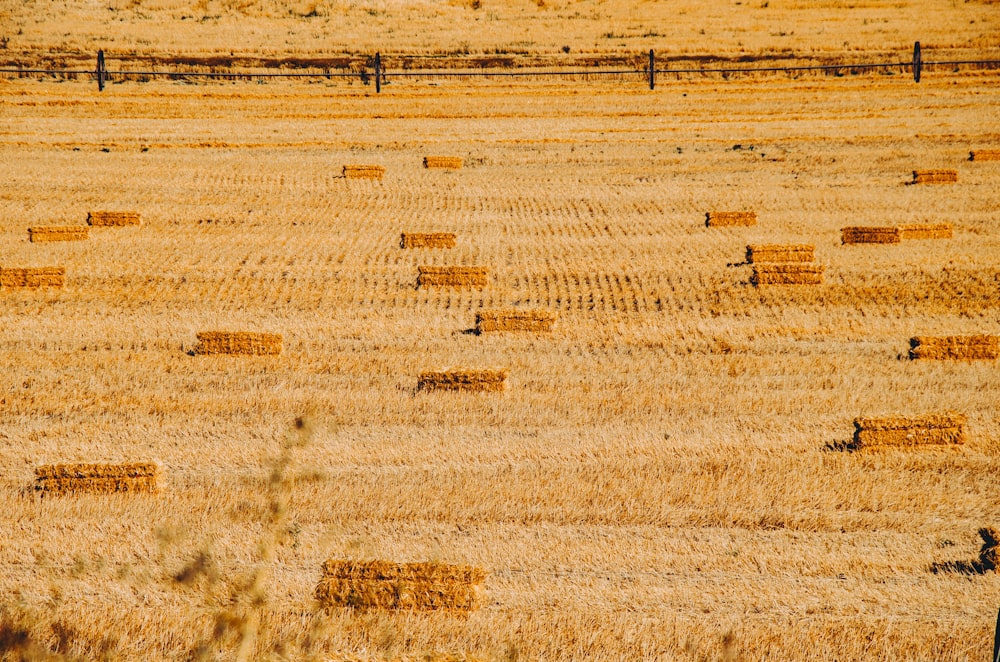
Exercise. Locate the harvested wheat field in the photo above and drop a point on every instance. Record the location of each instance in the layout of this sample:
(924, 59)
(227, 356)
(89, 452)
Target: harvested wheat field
(668, 472)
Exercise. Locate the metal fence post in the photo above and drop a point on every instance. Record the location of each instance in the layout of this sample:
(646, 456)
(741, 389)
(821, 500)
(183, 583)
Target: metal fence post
(101, 71)
(652, 69)
(917, 63)
(378, 73)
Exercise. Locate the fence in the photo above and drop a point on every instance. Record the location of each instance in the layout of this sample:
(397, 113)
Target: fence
(375, 69)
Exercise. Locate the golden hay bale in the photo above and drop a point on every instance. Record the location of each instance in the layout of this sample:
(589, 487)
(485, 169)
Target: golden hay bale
(985, 155)
(780, 253)
(787, 274)
(238, 342)
(718, 219)
(97, 478)
(955, 347)
(931, 429)
(427, 240)
(113, 219)
(32, 276)
(454, 162)
(926, 231)
(870, 235)
(514, 320)
(58, 233)
(934, 176)
(452, 276)
(462, 380)
(402, 586)
(364, 171)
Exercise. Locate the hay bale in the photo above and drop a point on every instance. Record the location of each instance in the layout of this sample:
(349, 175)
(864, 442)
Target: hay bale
(32, 276)
(364, 171)
(514, 320)
(786, 274)
(926, 231)
(58, 233)
(238, 342)
(870, 235)
(985, 155)
(400, 586)
(463, 380)
(719, 219)
(453, 162)
(452, 276)
(931, 429)
(97, 478)
(942, 176)
(956, 348)
(427, 240)
(780, 253)
(113, 219)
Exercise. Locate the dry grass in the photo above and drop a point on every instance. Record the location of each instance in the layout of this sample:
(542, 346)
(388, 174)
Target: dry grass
(364, 171)
(449, 162)
(113, 219)
(929, 429)
(238, 342)
(985, 155)
(926, 231)
(463, 380)
(514, 320)
(426, 586)
(940, 176)
(32, 276)
(456, 277)
(427, 240)
(653, 482)
(787, 274)
(63, 479)
(46, 233)
(723, 219)
(780, 253)
(955, 348)
(870, 235)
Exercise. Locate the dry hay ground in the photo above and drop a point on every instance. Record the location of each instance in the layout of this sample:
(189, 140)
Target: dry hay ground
(657, 478)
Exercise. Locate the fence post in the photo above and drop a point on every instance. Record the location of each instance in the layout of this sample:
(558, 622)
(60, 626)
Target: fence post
(652, 69)
(101, 71)
(917, 63)
(378, 73)
(996, 640)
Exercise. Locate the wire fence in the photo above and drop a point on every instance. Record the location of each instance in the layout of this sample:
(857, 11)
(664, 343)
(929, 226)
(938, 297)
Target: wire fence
(374, 70)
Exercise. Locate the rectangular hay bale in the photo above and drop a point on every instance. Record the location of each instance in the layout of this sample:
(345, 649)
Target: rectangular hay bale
(58, 233)
(718, 219)
(514, 320)
(931, 429)
(113, 219)
(453, 162)
(364, 171)
(97, 478)
(245, 343)
(787, 274)
(452, 276)
(955, 348)
(870, 235)
(423, 586)
(984, 155)
(926, 231)
(463, 380)
(427, 240)
(940, 176)
(32, 276)
(780, 253)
